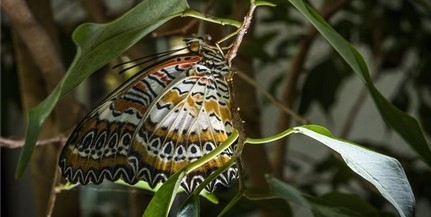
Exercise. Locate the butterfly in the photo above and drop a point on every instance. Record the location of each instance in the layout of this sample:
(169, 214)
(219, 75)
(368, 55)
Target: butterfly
(170, 114)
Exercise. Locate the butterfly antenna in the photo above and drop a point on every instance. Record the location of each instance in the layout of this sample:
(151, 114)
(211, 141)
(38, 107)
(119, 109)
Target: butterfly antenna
(148, 58)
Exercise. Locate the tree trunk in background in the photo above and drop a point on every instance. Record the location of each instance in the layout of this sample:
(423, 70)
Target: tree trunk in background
(34, 88)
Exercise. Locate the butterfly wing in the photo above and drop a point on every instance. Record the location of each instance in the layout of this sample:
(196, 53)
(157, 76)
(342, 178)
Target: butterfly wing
(156, 124)
(98, 147)
(190, 119)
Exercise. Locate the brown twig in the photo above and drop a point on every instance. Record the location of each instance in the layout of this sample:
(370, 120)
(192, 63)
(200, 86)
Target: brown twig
(13, 143)
(273, 100)
(53, 195)
(237, 121)
(240, 35)
(242, 30)
(55, 183)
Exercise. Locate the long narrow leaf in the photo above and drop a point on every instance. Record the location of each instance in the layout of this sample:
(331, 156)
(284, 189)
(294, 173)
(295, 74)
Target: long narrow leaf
(406, 126)
(161, 202)
(318, 206)
(384, 172)
(96, 45)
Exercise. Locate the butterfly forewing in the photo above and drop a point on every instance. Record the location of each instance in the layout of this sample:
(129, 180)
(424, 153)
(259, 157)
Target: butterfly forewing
(156, 124)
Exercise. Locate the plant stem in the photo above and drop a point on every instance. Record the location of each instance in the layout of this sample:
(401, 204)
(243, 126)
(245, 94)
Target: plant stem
(212, 19)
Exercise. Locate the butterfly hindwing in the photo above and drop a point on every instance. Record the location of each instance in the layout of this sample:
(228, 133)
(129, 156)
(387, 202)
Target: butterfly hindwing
(189, 120)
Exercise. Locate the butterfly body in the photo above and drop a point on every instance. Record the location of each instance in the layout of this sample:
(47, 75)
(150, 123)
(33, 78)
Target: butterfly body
(156, 123)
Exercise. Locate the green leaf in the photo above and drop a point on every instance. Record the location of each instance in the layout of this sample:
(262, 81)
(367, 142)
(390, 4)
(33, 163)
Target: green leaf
(322, 83)
(286, 191)
(318, 206)
(406, 126)
(324, 208)
(161, 202)
(352, 202)
(96, 45)
(385, 173)
(191, 206)
(267, 200)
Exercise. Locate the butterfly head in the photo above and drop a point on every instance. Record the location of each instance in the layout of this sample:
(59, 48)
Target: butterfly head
(212, 57)
(194, 44)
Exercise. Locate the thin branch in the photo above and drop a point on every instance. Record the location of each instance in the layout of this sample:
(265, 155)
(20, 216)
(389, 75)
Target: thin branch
(13, 143)
(273, 100)
(240, 34)
(242, 30)
(53, 195)
(55, 182)
(237, 121)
